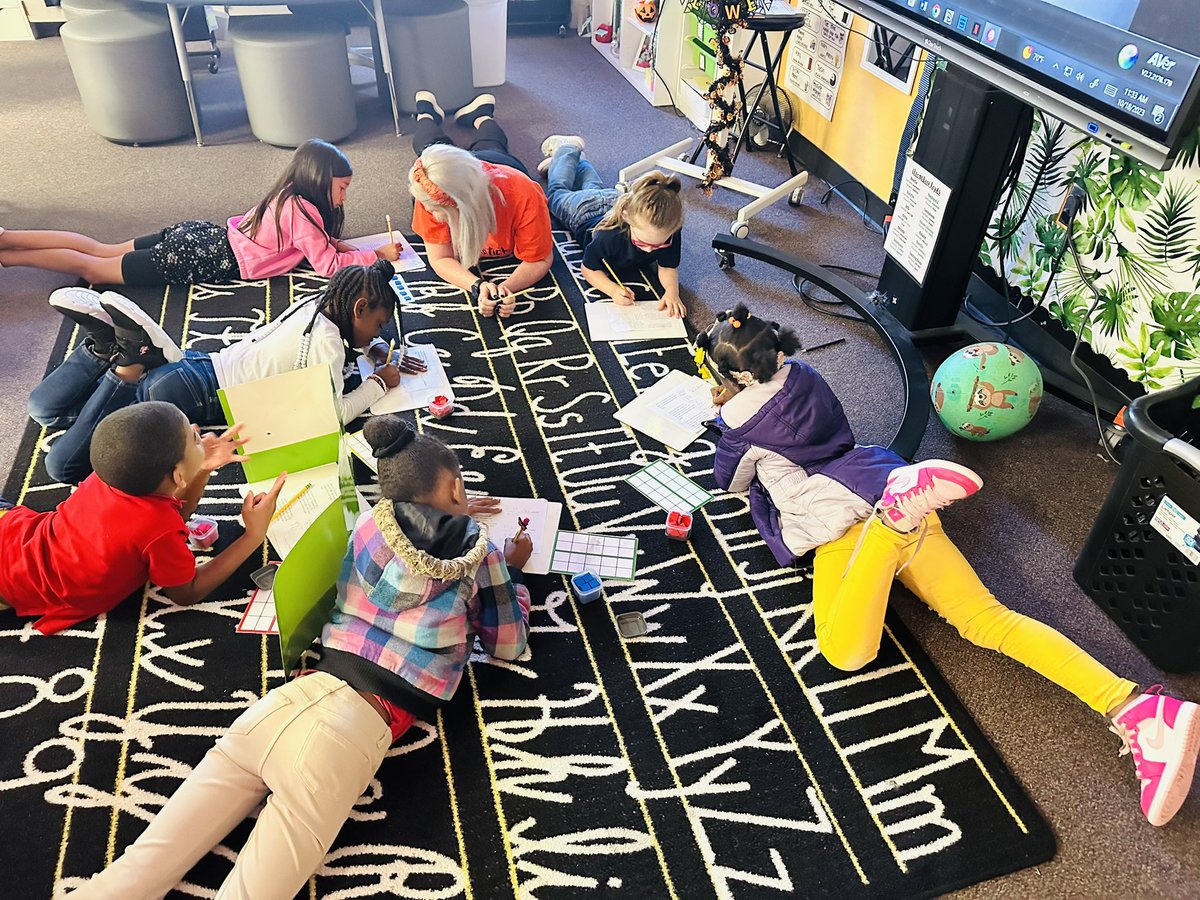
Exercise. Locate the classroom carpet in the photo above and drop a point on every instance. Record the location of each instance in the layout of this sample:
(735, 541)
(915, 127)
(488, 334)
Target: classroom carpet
(718, 755)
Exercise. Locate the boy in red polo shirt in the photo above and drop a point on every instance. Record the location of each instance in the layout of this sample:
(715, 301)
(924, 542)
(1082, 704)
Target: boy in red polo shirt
(124, 524)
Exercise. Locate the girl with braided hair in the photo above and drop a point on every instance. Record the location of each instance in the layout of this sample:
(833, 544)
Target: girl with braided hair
(421, 581)
(107, 371)
(872, 519)
(300, 218)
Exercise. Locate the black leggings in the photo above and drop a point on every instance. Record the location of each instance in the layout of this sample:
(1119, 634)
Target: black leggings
(490, 142)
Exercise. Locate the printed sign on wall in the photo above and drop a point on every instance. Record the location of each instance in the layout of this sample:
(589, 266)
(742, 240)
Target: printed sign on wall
(813, 70)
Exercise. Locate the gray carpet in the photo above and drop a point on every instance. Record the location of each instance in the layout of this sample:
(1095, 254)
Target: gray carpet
(1043, 487)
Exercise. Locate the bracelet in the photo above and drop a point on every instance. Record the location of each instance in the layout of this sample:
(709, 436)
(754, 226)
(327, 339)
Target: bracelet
(378, 380)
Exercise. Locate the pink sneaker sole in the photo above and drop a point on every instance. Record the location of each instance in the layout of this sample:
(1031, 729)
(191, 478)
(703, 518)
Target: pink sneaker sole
(1176, 783)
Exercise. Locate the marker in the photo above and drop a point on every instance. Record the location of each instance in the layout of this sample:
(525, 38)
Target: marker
(391, 236)
(832, 343)
(523, 523)
(300, 493)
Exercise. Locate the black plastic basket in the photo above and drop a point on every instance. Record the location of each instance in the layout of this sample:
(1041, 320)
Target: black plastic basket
(1136, 575)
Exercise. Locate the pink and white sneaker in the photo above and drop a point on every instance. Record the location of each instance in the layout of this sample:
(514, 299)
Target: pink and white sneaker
(1163, 734)
(914, 491)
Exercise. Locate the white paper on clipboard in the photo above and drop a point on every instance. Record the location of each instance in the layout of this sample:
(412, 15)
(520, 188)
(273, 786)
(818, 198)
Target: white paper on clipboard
(409, 260)
(543, 526)
(673, 411)
(415, 391)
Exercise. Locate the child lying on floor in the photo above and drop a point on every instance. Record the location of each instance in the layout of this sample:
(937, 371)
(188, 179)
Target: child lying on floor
(872, 519)
(625, 237)
(125, 357)
(420, 581)
(125, 524)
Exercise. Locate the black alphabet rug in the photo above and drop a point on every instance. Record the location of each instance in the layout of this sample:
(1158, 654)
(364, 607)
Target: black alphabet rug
(716, 756)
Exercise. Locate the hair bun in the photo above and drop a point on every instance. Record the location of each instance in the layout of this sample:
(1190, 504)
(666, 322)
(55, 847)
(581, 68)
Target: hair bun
(388, 435)
(384, 267)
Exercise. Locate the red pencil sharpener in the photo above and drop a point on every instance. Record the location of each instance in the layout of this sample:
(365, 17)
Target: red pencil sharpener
(679, 525)
(202, 532)
(441, 407)
(604, 34)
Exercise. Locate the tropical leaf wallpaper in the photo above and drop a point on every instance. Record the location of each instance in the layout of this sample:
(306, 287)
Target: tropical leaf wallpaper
(1138, 240)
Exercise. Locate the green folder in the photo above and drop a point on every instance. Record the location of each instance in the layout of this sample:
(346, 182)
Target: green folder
(306, 584)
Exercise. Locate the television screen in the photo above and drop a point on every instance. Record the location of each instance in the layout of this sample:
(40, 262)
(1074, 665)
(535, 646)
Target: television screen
(1126, 71)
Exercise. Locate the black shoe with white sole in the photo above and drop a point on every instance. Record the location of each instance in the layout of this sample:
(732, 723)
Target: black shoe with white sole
(82, 306)
(141, 340)
(483, 105)
(427, 105)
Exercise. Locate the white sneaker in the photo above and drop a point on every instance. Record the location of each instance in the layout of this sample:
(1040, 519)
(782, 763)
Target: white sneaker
(552, 143)
(140, 338)
(80, 305)
(426, 104)
(483, 105)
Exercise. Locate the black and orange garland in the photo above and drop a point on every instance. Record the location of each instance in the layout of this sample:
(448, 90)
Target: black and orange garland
(726, 18)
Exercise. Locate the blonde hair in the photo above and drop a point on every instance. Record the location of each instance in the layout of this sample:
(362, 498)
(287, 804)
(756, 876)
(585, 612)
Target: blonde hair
(461, 177)
(653, 198)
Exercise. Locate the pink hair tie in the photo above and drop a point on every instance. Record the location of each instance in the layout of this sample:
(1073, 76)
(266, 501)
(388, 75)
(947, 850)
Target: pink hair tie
(436, 194)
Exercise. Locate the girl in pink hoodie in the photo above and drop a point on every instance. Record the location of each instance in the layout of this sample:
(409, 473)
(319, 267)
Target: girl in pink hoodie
(300, 218)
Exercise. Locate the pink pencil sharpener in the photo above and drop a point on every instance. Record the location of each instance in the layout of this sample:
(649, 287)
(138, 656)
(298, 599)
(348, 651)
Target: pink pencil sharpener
(441, 407)
(679, 525)
(202, 532)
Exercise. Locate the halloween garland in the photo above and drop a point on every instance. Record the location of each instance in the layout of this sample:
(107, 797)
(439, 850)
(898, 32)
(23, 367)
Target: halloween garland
(726, 18)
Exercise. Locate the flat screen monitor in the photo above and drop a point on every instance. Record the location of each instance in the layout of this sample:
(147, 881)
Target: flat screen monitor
(1126, 71)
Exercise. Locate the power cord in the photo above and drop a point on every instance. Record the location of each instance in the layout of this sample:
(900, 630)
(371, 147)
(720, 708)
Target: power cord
(867, 223)
(802, 285)
(1079, 340)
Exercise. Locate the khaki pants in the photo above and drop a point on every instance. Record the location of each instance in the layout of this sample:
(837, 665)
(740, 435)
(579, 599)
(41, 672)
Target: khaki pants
(310, 747)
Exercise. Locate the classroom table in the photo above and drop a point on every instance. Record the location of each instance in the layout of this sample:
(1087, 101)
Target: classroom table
(185, 69)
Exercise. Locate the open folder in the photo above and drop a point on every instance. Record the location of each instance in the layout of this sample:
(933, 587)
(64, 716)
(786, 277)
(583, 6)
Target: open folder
(293, 426)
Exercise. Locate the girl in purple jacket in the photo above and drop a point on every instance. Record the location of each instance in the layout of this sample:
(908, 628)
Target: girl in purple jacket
(872, 519)
(300, 218)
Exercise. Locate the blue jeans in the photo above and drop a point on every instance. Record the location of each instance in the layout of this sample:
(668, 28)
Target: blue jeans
(82, 391)
(575, 194)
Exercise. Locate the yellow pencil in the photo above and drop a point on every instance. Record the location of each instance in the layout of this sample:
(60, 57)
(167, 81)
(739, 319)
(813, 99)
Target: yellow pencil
(620, 283)
(300, 493)
(523, 292)
(391, 236)
(391, 349)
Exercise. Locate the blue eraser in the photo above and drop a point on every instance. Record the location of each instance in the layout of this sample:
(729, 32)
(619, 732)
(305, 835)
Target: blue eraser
(585, 586)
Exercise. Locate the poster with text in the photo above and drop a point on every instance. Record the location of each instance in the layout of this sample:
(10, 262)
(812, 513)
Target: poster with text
(813, 69)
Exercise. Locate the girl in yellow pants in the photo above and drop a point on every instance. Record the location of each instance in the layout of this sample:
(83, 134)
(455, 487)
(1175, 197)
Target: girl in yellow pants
(871, 519)
(849, 610)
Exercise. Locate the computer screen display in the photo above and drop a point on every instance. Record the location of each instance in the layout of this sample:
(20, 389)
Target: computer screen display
(1127, 71)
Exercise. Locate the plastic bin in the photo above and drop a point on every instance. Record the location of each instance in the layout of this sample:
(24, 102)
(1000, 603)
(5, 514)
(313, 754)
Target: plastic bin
(489, 41)
(1141, 562)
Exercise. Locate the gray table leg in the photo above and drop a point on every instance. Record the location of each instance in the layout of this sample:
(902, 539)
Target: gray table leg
(385, 55)
(185, 68)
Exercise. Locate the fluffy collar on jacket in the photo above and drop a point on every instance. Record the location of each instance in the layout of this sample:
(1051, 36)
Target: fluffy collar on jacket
(431, 542)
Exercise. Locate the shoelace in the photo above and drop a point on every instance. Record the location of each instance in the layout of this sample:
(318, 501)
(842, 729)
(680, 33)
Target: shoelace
(1127, 734)
(862, 536)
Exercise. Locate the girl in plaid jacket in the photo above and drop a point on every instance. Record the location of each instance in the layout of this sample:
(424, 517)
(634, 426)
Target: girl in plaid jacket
(421, 580)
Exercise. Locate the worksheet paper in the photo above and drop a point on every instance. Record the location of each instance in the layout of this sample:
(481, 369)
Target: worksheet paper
(409, 260)
(415, 391)
(643, 321)
(543, 528)
(673, 411)
(357, 444)
(286, 530)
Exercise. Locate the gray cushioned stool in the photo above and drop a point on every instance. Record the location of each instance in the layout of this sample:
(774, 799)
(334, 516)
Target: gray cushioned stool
(73, 9)
(127, 74)
(295, 76)
(430, 41)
